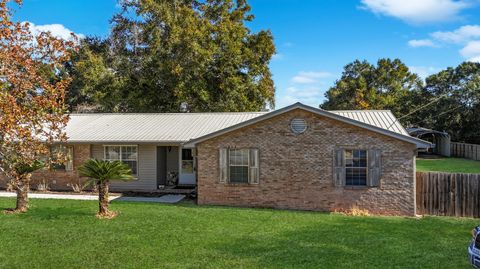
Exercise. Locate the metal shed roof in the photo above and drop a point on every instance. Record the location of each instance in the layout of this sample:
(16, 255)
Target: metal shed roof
(179, 128)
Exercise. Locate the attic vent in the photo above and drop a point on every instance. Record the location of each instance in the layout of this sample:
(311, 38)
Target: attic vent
(298, 126)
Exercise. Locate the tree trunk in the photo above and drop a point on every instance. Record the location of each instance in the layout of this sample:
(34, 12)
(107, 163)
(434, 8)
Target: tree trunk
(23, 187)
(103, 198)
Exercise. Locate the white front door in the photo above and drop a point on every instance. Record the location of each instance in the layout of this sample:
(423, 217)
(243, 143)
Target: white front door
(187, 167)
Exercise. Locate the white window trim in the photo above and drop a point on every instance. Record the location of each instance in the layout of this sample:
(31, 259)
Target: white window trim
(345, 166)
(248, 165)
(105, 154)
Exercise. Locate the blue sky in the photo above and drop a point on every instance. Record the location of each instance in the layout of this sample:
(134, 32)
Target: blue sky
(316, 38)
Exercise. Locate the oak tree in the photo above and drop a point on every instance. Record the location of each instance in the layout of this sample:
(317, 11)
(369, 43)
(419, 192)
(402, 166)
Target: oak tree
(165, 53)
(387, 85)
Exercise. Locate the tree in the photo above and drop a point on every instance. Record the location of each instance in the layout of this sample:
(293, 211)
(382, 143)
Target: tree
(164, 53)
(100, 173)
(32, 91)
(456, 106)
(25, 171)
(388, 85)
(94, 85)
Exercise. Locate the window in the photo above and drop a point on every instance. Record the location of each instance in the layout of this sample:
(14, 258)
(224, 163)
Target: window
(63, 154)
(125, 154)
(239, 166)
(187, 161)
(355, 167)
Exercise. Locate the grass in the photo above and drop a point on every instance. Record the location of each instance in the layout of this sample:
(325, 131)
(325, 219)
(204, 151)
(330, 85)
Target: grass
(453, 165)
(65, 234)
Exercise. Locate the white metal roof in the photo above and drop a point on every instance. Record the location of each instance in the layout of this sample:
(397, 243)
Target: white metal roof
(153, 127)
(336, 116)
(380, 118)
(179, 128)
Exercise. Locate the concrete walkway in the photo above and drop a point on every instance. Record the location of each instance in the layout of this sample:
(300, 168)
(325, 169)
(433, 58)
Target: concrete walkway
(168, 199)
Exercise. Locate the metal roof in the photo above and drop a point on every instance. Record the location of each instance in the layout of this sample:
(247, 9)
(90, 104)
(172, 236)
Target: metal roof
(179, 128)
(378, 129)
(154, 127)
(420, 131)
(380, 118)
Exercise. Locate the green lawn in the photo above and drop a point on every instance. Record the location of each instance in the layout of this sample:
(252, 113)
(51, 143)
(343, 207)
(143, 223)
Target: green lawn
(65, 234)
(454, 165)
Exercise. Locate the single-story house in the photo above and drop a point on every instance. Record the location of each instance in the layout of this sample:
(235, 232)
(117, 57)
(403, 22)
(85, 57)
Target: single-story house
(297, 157)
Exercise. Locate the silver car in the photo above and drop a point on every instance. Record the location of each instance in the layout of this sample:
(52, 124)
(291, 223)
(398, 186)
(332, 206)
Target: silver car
(474, 248)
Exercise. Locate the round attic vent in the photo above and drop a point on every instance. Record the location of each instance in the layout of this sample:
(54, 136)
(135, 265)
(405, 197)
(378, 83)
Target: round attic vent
(298, 126)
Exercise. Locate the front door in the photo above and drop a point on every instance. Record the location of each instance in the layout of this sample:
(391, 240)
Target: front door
(161, 166)
(187, 167)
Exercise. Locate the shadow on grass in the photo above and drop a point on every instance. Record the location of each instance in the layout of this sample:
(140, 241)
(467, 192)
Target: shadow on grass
(46, 213)
(50, 213)
(354, 243)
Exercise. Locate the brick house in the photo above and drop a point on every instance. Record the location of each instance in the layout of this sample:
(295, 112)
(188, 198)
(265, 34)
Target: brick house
(297, 157)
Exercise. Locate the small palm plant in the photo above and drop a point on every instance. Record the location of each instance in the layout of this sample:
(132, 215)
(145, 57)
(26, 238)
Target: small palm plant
(21, 183)
(100, 173)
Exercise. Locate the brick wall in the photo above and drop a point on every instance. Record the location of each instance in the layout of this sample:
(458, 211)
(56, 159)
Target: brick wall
(296, 170)
(59, 179)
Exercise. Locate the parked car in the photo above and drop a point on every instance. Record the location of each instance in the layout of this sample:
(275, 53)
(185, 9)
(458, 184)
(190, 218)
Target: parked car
(474, 248)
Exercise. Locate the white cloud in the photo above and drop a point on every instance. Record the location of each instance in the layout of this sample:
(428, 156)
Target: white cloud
(467, 36)
(309, 77)
(312, 96)
(474, 59)
(460, 35)
(277, 56)
(416, 43)
(471, 50)
(305, 87)
(57, 30)
(418, 11)
(424, 71)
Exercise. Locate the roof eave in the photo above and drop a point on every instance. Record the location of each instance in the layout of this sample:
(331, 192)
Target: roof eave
(160, 142)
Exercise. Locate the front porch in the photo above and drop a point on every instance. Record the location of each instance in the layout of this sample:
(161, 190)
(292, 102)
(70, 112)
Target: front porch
(175, 169)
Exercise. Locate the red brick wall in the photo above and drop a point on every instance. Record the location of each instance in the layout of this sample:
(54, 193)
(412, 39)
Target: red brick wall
(58, 179)
(296, 170)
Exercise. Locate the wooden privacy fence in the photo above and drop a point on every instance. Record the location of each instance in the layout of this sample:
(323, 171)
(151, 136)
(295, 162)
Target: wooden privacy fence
(463, 150)
(445, 194)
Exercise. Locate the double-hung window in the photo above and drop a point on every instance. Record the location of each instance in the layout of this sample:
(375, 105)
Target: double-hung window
(356, 167)
(126, 154)
(239, 165)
